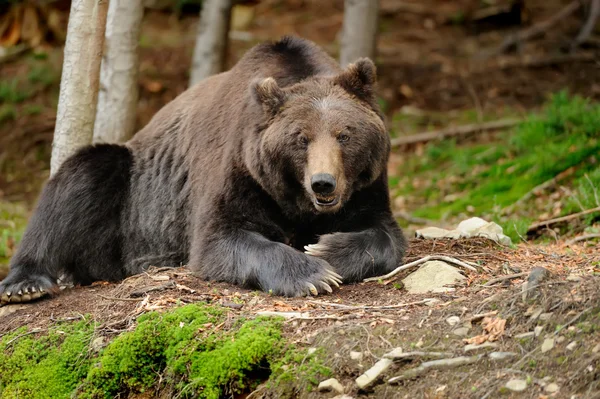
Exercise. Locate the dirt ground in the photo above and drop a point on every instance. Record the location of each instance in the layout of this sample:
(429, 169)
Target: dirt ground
(374, 318)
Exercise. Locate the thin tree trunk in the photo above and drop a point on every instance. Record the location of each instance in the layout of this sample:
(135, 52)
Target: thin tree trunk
(211, 39)
(80, 78)
(359, 31)
(118, 96)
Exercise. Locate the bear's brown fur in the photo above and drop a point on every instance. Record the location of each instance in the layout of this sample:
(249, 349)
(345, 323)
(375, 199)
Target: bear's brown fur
(235, 177)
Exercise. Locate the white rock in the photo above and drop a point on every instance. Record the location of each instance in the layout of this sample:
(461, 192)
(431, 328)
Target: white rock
(453, 320)
(331, 385)
(310, 351)
(372, 374)
(436, 232)
(516, 385)
(538, 330)
(485, 345)
(560, 339)
(552, 388)
(547, 345)
(356, 355)
(572, 346)
(342, 397)
(433, 276)
(469, 226)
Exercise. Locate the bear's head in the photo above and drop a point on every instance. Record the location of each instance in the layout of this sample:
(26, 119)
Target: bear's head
(323, 138)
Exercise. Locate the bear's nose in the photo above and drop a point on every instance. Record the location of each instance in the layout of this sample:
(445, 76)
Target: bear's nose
(322, 183)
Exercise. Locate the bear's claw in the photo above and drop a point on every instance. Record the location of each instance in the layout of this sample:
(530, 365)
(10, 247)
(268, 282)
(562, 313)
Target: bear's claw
(25, 290)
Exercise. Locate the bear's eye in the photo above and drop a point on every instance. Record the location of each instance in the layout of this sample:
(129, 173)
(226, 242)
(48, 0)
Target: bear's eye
(303, 140)
(342, 138)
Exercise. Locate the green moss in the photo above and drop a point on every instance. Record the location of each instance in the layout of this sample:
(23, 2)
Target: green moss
(46, 366)
(298, 371)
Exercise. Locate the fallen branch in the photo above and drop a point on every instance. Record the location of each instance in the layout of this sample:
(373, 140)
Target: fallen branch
(435, 365)
(589, 25)
(549, 222)
(584, 237)
(112, 298)
(399, 355)
(504, 278)
(366, 307)
(454, 131)
(418, 262)
(533, 31)
(411, 219)
(146, 290)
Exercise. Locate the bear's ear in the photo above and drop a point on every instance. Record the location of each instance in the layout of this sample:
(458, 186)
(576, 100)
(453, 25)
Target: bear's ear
(268, 94)
(359, 79)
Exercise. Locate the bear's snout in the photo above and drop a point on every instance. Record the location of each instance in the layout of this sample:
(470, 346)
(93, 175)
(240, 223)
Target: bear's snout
(323, 183)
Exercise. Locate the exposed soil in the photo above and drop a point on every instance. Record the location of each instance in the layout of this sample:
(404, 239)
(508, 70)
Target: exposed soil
(355, 318)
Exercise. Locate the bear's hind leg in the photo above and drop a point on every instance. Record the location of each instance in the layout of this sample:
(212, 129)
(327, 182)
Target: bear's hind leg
(75, 229)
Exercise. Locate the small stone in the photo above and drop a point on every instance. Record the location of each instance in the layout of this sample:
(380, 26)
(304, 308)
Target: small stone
(547, 345)
(485, 345)
(372, 374)
(431, 302)
(499, 356)
(546, 316)
(551, 388)
(538, 330)
(310, 351)
(536, 276)
(461, 331)
(331, 385)
(342, 397)
(572, 346)
(97, 344)
(536, 314)
(356, 355)
(433, 276)
(574, 278)
(560, 339)
(526, 335)
(516, 385)
(453, 320)
(596, 349)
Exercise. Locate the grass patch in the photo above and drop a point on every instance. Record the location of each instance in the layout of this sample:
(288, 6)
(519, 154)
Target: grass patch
(13, 219)
(483, 179)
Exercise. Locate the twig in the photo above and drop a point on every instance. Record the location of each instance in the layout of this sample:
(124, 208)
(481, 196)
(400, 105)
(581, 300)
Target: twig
(146, 290)
(549, 222)
(112, 298)
(533, 31)
(418, 262)
(454, 131)
(365, 307)
(589, 25)
(411, 219)
(33, 331)
(504, 278)
(583, 238)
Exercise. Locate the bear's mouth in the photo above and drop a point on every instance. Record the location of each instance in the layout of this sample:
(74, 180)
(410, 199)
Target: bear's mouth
(327, 201)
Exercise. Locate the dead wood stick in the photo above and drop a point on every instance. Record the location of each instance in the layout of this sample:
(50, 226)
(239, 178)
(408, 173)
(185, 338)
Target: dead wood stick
(418, 262)
(112, 298)
(583, 238)
(504, 278)
(589, 25)
(146, 290)
(535, 30)
(411, 219)
(546, 223)
(454, 131)
(367, 307)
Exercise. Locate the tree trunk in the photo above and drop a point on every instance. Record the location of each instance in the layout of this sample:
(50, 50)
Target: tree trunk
(359, 31)
(80, 78)
(118, 96)
(211, 39)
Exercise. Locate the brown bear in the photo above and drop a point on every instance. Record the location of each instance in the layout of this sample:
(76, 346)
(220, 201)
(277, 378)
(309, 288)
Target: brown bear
(271, 175)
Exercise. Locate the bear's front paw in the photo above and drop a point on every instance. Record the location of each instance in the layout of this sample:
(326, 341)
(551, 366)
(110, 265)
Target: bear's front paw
(306, 276)
(27, 289)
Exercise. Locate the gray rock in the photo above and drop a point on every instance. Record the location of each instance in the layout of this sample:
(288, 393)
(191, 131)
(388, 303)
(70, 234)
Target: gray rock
(560, 339)
(547, 345)
(461, 331)
(331, 385)
(574, 278)
(433, 276)
(536, 276)
(356, 355)
(499, 356)
(516, 385)
(546, 316)
(453, 320)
